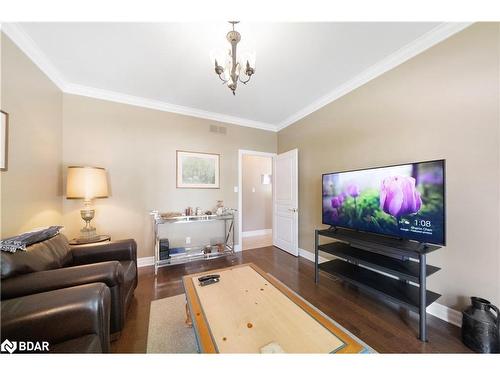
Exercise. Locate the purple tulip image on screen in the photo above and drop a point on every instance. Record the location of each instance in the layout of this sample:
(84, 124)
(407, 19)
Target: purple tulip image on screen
(405, 201)
(352, 189)
(336, 202)
(399, 196)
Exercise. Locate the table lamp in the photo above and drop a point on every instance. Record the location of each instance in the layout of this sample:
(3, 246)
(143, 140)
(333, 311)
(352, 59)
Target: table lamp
(87, 183)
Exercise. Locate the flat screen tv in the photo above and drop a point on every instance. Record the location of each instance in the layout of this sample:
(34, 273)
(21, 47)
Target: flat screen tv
(404, 201)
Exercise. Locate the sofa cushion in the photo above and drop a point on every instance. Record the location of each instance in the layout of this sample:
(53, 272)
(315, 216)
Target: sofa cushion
(47, 255)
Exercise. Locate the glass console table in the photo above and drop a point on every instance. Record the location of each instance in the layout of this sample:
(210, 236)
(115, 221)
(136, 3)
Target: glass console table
(193, 238)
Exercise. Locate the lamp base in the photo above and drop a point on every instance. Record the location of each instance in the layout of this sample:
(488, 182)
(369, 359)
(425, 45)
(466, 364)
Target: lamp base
(88, 232)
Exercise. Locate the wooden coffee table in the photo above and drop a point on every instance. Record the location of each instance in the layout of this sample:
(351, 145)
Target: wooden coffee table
(250, 311)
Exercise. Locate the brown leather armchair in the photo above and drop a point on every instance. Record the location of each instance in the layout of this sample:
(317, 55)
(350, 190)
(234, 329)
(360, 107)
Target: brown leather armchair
(53, 264)
(71, 320)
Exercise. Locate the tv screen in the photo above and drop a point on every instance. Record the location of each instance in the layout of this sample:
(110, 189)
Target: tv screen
(404, 201)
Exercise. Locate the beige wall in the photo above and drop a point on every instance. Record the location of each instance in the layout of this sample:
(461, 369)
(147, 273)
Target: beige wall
(256, 197)
(31, 187)
(443, 103)
(138, 148)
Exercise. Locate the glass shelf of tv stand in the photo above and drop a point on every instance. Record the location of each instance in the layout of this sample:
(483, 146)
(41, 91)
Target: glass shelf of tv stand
(194, 252)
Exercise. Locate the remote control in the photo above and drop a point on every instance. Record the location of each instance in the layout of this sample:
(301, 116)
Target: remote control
(208, 279)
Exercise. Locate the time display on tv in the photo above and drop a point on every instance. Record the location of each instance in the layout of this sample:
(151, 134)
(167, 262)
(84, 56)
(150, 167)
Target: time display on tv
(404, 201)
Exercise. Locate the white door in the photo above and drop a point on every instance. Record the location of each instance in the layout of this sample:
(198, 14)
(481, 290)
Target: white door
(285, 202)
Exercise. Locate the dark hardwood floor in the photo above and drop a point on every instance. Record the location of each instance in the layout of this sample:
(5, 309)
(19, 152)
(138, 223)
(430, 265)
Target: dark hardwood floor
(382, 325)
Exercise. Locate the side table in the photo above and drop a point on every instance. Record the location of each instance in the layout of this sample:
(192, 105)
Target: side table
(100, 238)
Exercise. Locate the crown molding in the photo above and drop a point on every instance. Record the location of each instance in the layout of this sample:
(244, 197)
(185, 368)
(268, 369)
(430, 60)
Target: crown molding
(28, 46)
(117, 97)
(419, 45)
(30, 49)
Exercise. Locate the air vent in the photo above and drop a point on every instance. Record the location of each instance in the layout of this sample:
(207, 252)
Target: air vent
(218, 129)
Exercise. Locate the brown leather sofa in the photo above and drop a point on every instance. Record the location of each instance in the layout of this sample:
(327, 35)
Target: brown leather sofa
(54, 264)
(70, 320)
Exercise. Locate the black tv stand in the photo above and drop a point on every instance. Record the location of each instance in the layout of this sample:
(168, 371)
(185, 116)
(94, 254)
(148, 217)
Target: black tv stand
(388, 256)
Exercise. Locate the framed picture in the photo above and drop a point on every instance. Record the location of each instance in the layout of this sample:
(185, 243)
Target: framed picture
(198, 170)
(4, 134)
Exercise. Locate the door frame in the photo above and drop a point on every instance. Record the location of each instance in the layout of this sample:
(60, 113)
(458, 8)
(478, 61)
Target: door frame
(242, 152)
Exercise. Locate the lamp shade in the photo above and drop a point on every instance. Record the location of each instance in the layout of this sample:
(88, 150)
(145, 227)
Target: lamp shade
(86, 183)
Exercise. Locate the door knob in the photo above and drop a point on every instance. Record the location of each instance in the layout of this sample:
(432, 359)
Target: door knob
(293, 209)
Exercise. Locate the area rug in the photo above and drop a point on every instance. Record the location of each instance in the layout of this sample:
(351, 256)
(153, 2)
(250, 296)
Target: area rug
(168, 332)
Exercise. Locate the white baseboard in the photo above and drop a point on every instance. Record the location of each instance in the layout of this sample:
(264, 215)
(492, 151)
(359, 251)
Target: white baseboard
(436, 309)
(145, 261)
(445, 313)
(310, 256)
(253, 233)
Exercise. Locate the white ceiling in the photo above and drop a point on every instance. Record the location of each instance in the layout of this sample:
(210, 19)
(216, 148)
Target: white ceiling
(299, 67)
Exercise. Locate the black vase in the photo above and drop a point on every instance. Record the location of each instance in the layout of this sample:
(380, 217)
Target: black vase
(480, 326)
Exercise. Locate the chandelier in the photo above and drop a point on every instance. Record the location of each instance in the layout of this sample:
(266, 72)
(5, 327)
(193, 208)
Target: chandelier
(228, 65)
